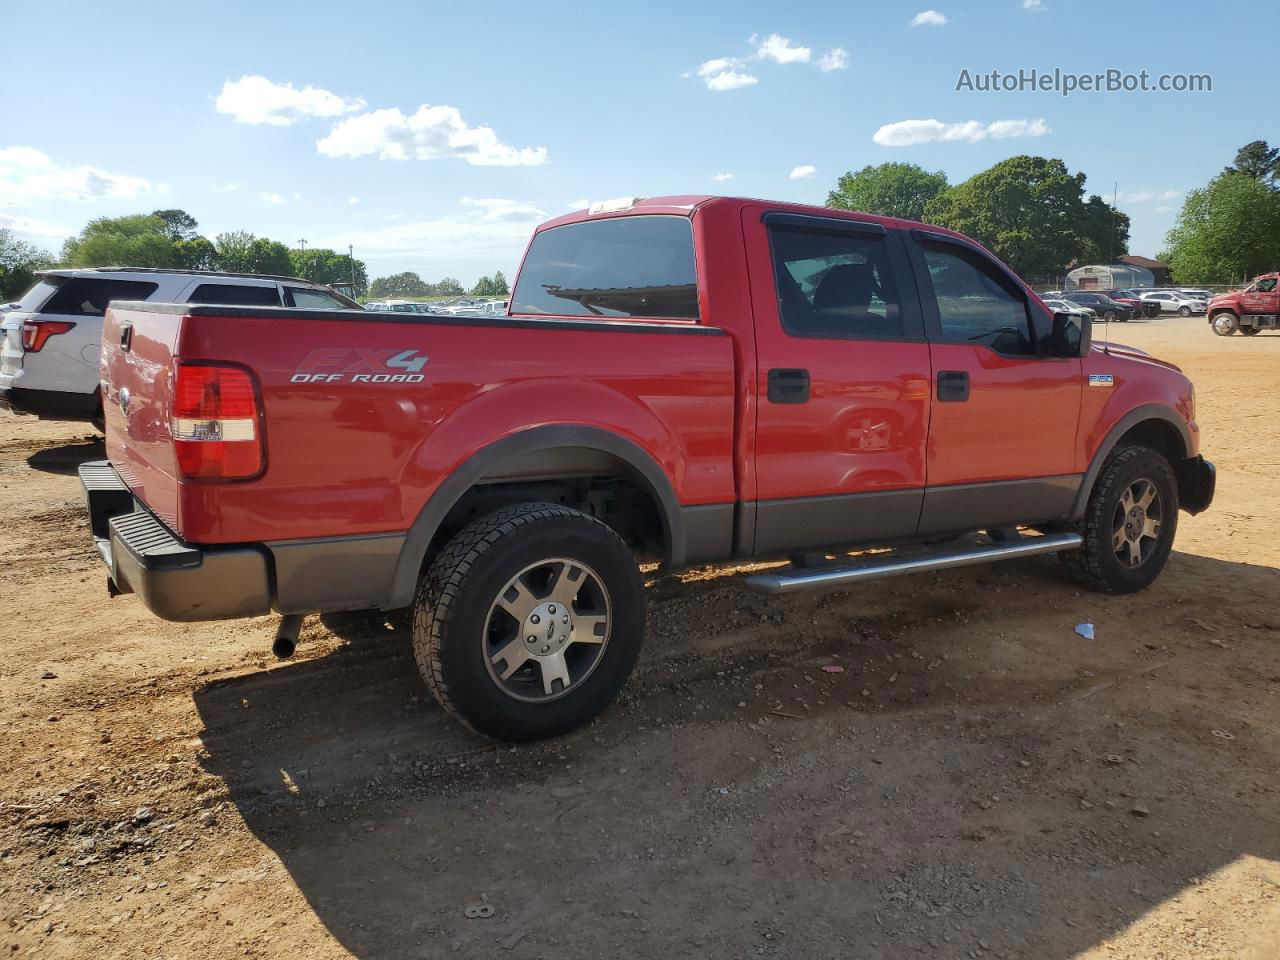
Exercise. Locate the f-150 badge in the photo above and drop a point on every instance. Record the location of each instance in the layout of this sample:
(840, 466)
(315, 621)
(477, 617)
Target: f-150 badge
(1101, 380)
(360, 365)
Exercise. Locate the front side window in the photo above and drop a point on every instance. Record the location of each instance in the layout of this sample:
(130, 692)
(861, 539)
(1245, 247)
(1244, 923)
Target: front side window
(235, 294)
(89, 296)
(1266, 285)
(834, 284)
(977, 303)
(622, 267)
(308, 299)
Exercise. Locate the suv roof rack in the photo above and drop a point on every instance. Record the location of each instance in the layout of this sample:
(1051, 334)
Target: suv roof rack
(66, 271)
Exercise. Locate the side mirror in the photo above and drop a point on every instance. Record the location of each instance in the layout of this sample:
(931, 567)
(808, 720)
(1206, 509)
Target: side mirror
(1071, 336)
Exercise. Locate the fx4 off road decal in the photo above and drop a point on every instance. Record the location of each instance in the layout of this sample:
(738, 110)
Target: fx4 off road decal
(360, 365)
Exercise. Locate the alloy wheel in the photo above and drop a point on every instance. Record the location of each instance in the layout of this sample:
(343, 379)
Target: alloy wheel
(1136, 525)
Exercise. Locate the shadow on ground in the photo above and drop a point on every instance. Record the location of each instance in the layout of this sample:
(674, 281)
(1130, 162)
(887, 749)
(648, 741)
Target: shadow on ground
(66, 459)
(976, 780)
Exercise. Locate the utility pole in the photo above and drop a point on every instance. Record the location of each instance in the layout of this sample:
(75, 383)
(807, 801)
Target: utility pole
(302, 249)
(1115, 197)
(351, 258)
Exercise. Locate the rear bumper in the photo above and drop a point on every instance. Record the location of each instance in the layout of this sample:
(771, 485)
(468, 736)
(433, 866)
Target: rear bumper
(50, 404)
(181, 581)
(1197, 481)
(175, 580)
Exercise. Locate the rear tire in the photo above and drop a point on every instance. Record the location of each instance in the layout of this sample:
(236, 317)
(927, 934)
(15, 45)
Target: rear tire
(529, 622)
(1128, 525)
(1224, 324)
(1108, 315)
(1184, 311)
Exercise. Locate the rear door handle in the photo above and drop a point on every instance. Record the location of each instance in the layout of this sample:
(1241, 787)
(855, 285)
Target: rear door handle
(953, 386)
(788, 386)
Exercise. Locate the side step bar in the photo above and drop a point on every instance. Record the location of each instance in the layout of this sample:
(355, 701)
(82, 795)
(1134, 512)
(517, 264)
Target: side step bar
(896, 565)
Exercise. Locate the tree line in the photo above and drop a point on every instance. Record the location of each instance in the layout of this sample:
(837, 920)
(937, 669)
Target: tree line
(409, 284)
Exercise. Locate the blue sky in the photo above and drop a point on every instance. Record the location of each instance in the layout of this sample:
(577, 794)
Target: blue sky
(119, 108)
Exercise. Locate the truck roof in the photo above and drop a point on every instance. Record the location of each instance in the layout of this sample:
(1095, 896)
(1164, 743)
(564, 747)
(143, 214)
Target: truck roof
(81, 271)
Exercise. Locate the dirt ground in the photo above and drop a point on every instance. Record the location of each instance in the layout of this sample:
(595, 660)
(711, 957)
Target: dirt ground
(979, 781)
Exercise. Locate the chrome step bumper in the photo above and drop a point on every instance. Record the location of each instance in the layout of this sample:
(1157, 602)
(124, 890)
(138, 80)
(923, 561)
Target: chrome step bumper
(896, 564)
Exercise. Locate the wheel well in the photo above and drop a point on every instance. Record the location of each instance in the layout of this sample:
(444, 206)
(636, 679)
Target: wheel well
(593, 481)
(1159, 435)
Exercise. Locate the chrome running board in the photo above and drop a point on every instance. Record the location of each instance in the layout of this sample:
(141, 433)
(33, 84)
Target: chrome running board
(792, 579)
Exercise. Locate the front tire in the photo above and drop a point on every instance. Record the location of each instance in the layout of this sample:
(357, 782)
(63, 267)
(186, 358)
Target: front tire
(1129, 523)
(1108, 315)
(529, 622)
(1225, 324)
(1184, 311)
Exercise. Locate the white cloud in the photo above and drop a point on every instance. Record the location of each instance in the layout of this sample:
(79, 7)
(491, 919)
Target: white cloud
(1033, 5)
(32, 227)
(27, 174)
(445, 241)
(802, 172)
(1144, 196)
(254, 99)
(493, 210)
(781, 50)
(273, 198)
(834, 59)
(428, 134)
(229, 187)
(725, 73)
(929, 18)
(1171, 195)
(581, 204)
(353, 200)
(722, 177)
(908, 133)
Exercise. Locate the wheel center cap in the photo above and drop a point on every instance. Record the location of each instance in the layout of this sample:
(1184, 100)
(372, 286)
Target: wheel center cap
(548, 628)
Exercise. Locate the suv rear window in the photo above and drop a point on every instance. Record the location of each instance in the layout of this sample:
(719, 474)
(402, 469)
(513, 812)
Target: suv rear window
(89, 296)
(623, 267)
(235, 294)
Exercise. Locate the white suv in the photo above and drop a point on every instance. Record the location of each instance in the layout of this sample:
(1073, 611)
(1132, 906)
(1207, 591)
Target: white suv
(49, 343)
(1175, 301)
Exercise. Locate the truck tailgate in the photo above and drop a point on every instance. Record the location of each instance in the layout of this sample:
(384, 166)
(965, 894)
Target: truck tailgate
(138, 348)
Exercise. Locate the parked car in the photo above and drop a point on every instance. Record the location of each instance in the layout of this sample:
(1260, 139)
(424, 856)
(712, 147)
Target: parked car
(1253, 309)
(1133, 300)
(816, 380)
(1175, 301)
(1106, 308)
(1075, 309)
(49, 344)
(1197, 294)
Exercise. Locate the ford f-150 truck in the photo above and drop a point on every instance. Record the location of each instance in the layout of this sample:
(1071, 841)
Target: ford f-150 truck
(1251, 310)
(687, 380)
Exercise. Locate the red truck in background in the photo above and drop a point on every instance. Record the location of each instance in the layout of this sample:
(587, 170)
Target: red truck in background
(1251, 310)
(683, 379)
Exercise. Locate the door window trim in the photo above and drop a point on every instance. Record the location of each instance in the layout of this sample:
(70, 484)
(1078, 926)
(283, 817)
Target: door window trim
(908, 302)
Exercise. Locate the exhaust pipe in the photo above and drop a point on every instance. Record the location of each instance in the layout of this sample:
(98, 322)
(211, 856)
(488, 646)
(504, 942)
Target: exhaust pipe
(287, 636)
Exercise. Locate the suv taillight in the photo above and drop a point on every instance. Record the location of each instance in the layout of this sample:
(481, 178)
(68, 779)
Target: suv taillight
(215, 422)
(36, 332)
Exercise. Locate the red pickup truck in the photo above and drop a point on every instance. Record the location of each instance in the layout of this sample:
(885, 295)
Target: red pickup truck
(1251, 310)
(686, 380)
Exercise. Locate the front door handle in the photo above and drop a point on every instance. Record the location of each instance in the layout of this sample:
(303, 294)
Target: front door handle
(788, 386)
(953, 386)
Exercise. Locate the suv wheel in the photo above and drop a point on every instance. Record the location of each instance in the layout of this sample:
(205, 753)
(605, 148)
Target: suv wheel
(1184, 311)
(1108, 315)
(529, 621)
(1129, 523)
(1225, 324)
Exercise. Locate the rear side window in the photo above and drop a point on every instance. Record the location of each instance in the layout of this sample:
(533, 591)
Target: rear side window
(234, 294)
(308, 299)
(835, 284)
(624, 267)
(977, 303)
(89, 296)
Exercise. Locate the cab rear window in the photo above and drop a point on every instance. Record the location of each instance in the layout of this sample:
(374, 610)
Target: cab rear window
(622, 267)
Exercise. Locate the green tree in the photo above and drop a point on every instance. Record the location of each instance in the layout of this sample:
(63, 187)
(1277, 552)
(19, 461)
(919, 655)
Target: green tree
(483, 287)
(322, 265)
(138, 240)
(1103, 231)
(1257, 160)
(407, 284)
(242, 252)
(500, 288)
(19, 262)
(449, 287)
(888, 190)
(1028, 210)
(1228, 230)
(178, 224)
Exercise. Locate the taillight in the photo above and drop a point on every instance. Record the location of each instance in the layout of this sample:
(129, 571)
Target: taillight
(36, 332)
(215, 422)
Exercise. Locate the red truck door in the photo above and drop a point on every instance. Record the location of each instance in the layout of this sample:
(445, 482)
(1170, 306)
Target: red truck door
(842, 382)
(1002, 434)
(1261, 296)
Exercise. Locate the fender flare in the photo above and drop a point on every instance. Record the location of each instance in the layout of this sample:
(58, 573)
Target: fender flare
(1149, 411)
(405, 580)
